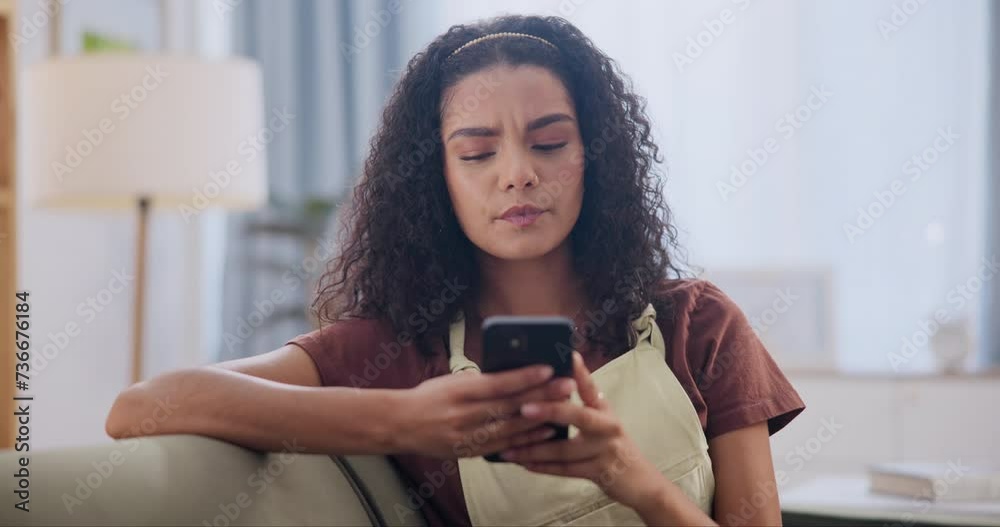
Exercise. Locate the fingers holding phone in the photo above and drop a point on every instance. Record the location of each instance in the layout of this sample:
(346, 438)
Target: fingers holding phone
(498, 425)
(465, 415)
(511, 342)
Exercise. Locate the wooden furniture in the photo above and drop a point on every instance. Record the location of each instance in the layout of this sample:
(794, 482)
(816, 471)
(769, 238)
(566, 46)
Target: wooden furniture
(8, 222)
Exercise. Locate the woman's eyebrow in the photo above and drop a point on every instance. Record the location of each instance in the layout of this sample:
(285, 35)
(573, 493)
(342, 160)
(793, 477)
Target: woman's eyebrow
(535, 124)
(546, 120)
(480, 131)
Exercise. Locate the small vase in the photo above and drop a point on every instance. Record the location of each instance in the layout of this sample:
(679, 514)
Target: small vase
(951, 346)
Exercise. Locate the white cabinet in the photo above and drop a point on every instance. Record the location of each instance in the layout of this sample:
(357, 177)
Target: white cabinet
(852, 421)
(948, 420)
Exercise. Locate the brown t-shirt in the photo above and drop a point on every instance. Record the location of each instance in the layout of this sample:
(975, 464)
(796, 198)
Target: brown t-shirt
(711, 349)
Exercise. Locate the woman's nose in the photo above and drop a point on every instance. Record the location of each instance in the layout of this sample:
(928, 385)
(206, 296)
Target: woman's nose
(518, 172)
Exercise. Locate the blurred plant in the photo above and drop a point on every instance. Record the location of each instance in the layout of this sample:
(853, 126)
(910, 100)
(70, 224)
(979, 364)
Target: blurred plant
(305, 222)
(94, 42)
(309, 217)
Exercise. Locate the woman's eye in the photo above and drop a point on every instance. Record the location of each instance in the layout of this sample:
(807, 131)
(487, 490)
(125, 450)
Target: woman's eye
(550, 147)
(477, 157)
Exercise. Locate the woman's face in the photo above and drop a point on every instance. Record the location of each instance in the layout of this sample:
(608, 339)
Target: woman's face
(513, 160)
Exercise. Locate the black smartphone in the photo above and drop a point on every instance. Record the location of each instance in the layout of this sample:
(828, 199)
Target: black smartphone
(511, 342)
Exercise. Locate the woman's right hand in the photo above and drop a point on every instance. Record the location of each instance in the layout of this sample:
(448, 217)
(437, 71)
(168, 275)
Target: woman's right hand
(471, 414)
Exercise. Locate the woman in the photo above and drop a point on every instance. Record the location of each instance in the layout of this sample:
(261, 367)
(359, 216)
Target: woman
(512, 174)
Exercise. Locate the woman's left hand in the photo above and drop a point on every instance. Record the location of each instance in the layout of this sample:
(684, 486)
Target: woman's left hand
(600, 452)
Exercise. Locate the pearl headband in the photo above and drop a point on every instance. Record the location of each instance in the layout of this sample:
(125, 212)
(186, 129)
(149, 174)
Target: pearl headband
(492, 36)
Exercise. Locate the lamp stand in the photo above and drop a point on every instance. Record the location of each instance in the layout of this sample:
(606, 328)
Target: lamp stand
(138, 317)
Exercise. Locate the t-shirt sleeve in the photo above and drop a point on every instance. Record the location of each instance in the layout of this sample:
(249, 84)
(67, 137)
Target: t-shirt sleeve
(363, 353)
(734, 374)
(326, 349)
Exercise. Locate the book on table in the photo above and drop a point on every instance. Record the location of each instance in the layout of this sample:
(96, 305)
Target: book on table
(951, 481)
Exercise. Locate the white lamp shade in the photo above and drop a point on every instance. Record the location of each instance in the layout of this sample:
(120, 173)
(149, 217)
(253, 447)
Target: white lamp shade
(104, 130)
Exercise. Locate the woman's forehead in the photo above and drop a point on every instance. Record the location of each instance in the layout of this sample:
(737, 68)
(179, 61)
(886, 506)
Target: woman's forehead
(489, 97)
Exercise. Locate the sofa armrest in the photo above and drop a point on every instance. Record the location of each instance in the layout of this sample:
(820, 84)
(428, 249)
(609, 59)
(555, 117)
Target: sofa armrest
(379, 482)
(181, 480)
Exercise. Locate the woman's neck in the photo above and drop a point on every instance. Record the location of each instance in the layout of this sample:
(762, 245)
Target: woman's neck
(547, 285)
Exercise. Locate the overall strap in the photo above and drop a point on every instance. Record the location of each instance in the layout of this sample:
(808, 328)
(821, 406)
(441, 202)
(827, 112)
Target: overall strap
(645, 327)
(457, 360)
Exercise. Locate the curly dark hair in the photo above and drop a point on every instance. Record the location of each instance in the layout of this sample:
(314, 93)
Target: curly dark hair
(401, 239)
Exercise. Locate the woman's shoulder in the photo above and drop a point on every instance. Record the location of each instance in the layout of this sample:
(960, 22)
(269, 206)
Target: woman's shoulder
(347, 335)
(355, 328)
(362, 352)
(685, 298)
(720, 361)
(694, 314)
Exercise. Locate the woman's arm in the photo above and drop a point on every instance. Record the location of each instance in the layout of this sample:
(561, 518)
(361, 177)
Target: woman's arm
(266, 403)
(745, 489)
(274, 402)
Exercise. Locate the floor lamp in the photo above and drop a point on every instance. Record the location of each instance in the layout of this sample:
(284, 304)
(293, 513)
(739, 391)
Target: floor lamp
(138, 131)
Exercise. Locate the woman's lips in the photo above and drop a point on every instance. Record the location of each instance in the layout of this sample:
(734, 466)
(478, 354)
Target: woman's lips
(522, 215)
(523, 219)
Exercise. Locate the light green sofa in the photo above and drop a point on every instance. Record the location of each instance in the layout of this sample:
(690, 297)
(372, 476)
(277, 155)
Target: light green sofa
(195, 480)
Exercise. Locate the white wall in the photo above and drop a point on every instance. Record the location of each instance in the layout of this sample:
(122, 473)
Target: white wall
(66, 257)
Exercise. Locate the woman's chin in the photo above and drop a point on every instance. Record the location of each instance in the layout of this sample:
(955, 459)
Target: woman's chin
(506, 241)
(519, 249)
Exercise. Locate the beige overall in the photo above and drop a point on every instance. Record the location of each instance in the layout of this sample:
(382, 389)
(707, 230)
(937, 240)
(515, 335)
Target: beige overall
(657, 415)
